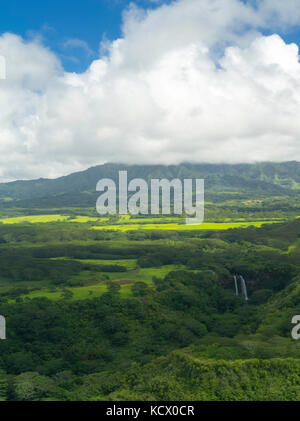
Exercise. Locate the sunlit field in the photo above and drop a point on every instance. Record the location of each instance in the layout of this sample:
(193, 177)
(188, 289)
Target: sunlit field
(128, 263)
(185, 227)
(37, 219)
(126, 223)
(126, 280)
(34, 219)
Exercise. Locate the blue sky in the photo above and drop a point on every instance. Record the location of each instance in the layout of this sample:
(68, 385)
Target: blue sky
(73, 29)
(59, 21)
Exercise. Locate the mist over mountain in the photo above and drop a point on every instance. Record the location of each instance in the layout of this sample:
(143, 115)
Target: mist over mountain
(79, 189)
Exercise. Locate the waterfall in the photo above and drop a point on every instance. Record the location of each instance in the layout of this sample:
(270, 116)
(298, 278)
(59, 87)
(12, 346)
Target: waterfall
(236, 286)
(243, 286)
(2, 327)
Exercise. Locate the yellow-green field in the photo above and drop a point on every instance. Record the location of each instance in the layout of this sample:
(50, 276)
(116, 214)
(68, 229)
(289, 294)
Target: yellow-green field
(83, 219)
(34, 219)
(162, 220)
(37, 219)
(126, 223)
(184, 227)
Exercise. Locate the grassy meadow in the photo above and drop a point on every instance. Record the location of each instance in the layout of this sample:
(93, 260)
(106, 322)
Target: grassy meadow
(87, 284)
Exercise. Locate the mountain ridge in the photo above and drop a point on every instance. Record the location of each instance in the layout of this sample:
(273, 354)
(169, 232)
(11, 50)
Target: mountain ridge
(258, 178)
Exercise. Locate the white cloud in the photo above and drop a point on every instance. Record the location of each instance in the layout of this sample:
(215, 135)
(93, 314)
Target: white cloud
(283, 13)
(191, 81)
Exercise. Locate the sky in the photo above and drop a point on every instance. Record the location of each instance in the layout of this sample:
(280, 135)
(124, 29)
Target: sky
(73, 29)
(147, 82)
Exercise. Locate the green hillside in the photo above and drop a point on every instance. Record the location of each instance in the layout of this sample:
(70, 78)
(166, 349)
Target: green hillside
(78, 189)
(184, 377)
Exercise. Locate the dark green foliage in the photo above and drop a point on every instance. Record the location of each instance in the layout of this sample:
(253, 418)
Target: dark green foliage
(139, 289)
(261, 296)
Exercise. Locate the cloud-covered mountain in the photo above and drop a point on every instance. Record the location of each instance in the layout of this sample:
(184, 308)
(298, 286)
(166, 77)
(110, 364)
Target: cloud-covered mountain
(79, 189)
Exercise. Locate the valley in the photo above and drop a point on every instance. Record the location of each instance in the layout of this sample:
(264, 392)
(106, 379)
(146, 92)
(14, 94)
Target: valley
(138, 307)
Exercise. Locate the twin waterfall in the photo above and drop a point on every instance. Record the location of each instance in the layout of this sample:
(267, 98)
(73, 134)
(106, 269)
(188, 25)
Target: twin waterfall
(243, 286)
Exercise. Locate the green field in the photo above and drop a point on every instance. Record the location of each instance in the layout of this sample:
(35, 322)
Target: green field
(130, 264)
(126, 280)
(93, 286)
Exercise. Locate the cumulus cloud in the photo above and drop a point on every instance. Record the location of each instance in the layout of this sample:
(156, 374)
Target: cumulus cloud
(194, 80)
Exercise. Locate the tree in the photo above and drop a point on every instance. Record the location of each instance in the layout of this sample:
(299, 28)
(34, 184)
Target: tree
(67, 294)
(139, 289)
(113, 287)
(31, 386)
(3, 385)
(261, 296)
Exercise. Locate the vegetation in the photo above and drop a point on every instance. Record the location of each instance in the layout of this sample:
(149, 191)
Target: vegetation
(144, 308)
